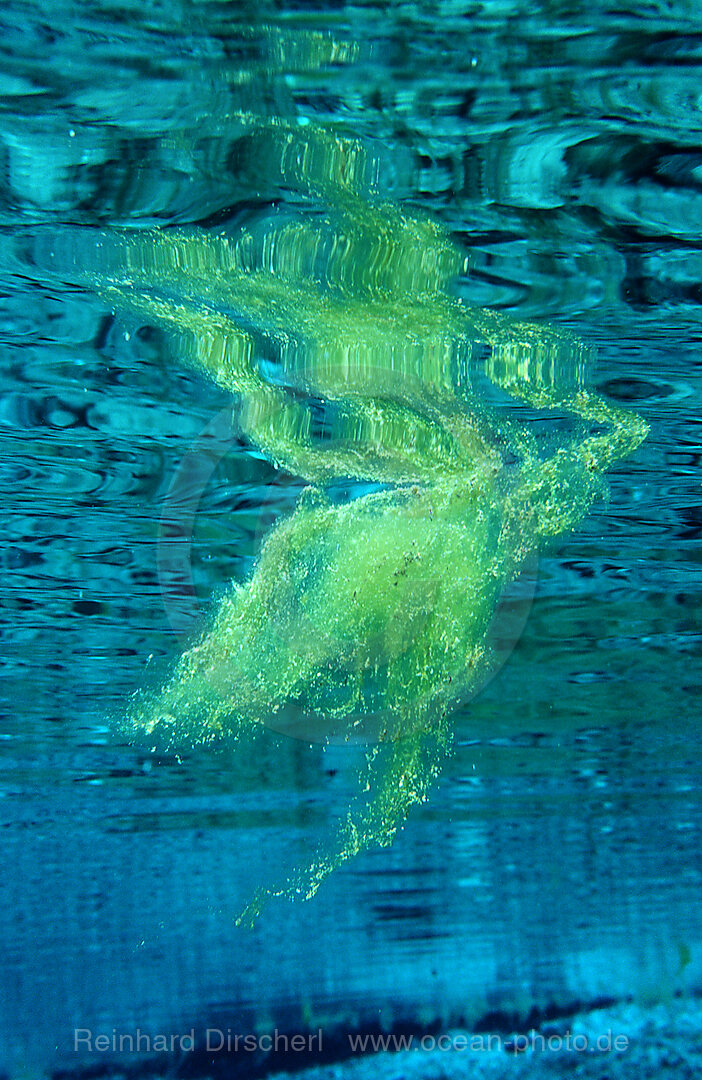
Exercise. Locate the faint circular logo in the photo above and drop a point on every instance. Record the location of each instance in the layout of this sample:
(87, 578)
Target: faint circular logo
(334, 642)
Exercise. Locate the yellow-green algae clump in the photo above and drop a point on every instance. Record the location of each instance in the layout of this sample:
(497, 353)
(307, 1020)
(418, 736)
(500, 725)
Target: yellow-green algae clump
(369, 616)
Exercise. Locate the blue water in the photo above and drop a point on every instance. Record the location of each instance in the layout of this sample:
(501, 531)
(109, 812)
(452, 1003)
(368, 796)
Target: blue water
(558, 859)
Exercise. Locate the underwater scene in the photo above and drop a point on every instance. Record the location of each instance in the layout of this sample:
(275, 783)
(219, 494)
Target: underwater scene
(351, 479)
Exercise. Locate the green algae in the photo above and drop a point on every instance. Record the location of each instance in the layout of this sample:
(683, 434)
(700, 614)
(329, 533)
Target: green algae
(367, 619)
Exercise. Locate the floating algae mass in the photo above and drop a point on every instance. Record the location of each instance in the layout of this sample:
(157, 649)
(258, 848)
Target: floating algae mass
(332, 319)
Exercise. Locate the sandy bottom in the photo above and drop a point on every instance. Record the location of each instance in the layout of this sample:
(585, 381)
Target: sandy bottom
(626, 1041)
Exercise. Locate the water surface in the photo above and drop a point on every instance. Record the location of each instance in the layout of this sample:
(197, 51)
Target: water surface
(558, 858)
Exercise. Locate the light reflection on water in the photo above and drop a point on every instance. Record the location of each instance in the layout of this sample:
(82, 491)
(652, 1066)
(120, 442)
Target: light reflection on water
(559, 857)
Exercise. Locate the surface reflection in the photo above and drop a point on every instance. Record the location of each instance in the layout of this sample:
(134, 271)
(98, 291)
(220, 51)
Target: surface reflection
(336, 325)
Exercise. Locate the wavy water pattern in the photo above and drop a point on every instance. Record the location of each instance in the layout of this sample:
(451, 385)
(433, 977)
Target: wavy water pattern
(559, 150)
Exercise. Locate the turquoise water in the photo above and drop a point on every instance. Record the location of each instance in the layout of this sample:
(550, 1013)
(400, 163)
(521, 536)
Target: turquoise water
(557, 860)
